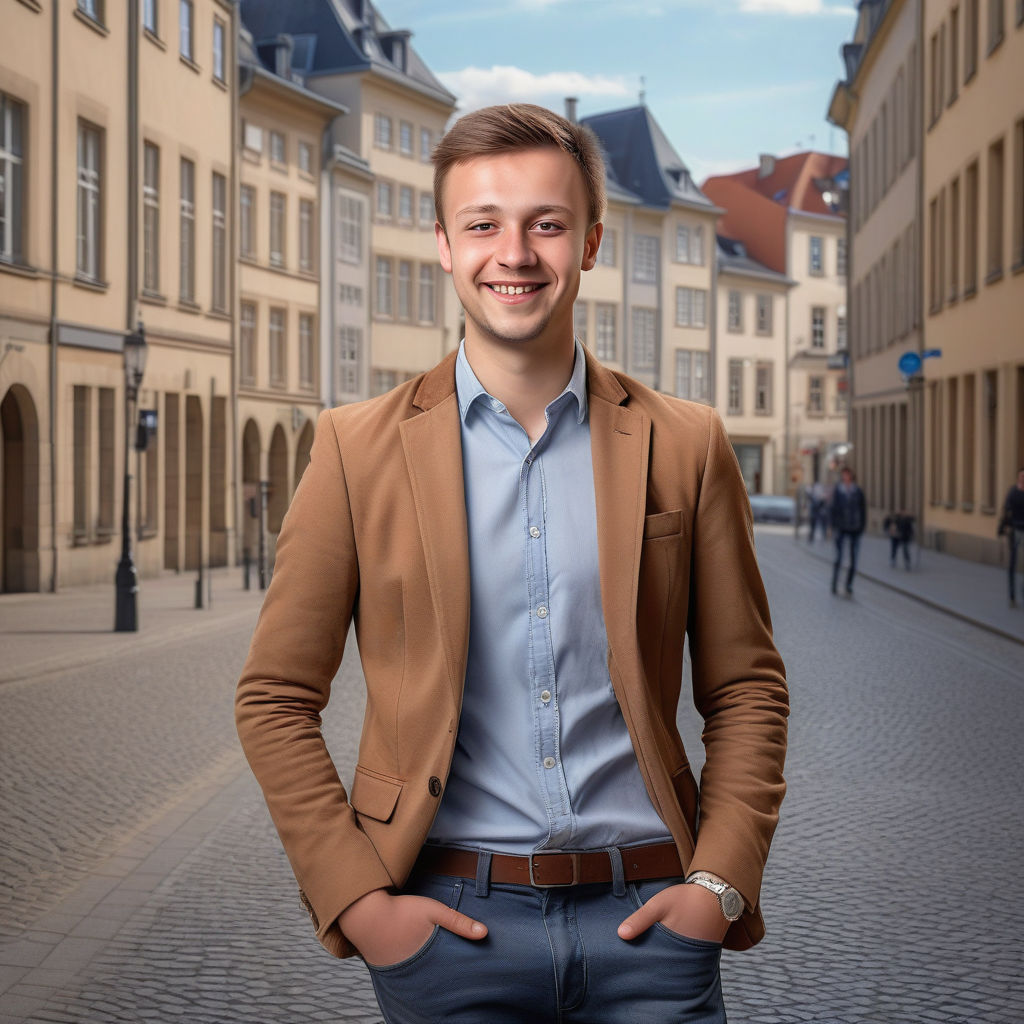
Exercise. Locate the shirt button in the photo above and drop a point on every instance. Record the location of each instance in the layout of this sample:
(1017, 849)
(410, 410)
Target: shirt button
(534, 532)
(546, 696)
(549, 762)
(542, 612)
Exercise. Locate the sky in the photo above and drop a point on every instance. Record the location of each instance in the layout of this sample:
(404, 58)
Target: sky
(725, 79)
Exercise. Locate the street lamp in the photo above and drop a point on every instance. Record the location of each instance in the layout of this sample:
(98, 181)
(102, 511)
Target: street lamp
(126, 581)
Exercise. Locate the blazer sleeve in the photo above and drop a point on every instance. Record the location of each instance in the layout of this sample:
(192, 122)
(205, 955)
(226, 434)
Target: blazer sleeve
(739, 683)
(285, 685)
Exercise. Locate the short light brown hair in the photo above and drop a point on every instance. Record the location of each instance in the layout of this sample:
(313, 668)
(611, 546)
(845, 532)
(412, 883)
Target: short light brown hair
(515, 126)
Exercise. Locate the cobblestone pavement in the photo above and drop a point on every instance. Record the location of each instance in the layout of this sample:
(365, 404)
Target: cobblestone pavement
(147, 882)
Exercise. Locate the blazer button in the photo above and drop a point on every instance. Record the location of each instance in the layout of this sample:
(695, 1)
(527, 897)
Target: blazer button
(435, 786)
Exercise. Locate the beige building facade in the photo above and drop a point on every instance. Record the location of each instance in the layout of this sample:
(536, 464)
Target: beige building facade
(130, 225)
(879, 106)
(973, 187)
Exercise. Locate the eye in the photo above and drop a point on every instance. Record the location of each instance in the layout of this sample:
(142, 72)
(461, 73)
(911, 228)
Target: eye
(548, 226)
(482, 226)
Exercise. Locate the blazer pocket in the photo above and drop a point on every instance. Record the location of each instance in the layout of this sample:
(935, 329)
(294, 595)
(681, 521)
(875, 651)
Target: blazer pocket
(663, 524)
(374, 795)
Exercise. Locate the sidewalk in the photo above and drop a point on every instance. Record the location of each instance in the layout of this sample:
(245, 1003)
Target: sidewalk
(970, 591)
(43, 633)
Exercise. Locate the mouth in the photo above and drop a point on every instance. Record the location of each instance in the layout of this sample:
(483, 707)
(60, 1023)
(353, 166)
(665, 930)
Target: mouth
(514, 289)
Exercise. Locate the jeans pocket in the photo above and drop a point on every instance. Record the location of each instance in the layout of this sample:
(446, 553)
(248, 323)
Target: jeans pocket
(641, 892)
(448, 892)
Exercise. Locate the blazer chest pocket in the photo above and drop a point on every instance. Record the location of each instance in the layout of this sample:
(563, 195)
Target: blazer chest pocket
(374, 795)
(663, 524)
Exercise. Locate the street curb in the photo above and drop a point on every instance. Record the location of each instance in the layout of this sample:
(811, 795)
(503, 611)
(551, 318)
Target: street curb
(927, 602)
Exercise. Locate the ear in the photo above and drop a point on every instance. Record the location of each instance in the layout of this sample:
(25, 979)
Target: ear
(444, 250)
(590, 246)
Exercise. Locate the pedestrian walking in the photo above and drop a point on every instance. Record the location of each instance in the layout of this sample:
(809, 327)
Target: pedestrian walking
(1011, 524)
(848, 515)
(900, 528)
(522, 812)
(816, 496)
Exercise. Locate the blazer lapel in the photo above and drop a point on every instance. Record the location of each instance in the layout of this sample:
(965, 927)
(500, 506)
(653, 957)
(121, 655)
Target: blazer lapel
(433, 453)
(619, 442)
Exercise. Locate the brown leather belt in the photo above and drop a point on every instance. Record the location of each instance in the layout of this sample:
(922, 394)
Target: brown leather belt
(547, 870)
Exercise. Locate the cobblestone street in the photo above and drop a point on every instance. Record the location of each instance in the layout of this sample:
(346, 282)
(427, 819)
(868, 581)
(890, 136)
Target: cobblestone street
(143, 880)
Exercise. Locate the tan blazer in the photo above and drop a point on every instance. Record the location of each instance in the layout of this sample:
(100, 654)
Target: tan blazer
(377, 531)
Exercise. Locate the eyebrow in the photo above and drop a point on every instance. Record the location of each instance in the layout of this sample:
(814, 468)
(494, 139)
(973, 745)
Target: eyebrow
(486, 209)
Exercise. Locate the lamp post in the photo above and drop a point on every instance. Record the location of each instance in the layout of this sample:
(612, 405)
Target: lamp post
(126, 581)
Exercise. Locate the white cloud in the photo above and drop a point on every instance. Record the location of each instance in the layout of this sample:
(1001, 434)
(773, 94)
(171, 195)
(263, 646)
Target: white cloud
(480, 87)
(800, 7)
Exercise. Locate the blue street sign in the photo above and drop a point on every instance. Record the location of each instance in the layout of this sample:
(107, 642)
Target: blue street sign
(910, 364)
(931, 353)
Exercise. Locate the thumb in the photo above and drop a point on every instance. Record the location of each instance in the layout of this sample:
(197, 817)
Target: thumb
(638, 922)
(459, 924)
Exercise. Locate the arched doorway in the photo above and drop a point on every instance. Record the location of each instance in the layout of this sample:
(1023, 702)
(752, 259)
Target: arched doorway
(19, 518)
(277, 472)
(250, 492)
(194, 451)
(303, 450)
(218, 449)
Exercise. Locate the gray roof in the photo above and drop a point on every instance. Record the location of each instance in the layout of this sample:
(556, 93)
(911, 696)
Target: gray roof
(732, 257)
(642, 161)
(340, 36)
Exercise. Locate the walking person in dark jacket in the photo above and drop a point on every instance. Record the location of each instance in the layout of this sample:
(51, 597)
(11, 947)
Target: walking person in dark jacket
(900, 528)
(849, 517)
(1012, 524)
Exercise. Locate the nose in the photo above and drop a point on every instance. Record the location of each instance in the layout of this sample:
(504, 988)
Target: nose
(514, 250)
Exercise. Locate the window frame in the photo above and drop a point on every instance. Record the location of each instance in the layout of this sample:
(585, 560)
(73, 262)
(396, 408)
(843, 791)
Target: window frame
(12, 170)
(90, 204)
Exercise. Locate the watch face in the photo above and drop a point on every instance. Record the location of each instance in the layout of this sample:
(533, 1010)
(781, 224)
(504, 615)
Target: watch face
(732, 904)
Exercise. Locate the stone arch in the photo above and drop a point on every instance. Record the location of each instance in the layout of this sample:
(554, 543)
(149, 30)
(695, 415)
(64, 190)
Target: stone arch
(19, 472)
(277, 475)
(250, 490)
(305, 445)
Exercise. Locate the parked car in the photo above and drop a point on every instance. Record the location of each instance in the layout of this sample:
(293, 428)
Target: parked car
(773, 508)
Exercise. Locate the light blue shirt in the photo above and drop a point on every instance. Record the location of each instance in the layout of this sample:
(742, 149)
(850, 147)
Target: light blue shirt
(543, 759)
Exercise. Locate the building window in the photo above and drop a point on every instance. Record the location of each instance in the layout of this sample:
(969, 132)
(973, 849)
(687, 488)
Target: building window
(841, 340)
(426, 144)
(307, 351)
(247, 343)
(817, 326)
(383, 305)
(307, 236)
(404, 290)
(427, 215)
(841, 257)
(350, 344)
(82, 439)
(817, 261)
(682, 243)
(996, 23)
(220, 243)
(405, 138)
(690, 244)
(736, 387)
(645, 259)
(186, 14)
(644, 338)
(935, 82)
(218, 49)
(995, 210)
(187, 231)
(606, 253)
(350, 229)
(1020, 13)
(971, 38)
(815, 395)
(971, 221)
(149, 11)
(381, 131)
(954, 239)
(384, 199)
(691, 375)
(691, 307)
(427, 298)
(278, 154)
(247, 221)
(252, 137)
(150, 218)
(763, 389)
(383, 381)
(90, 197)
(405, 194)
(105, 462)
(277, 348)
(954, 46)
(579, 321)
(764, 314)
(735, 312)
(606, 347)
(92, 9)
(1017, 253)
(277, 228)
(306, 158)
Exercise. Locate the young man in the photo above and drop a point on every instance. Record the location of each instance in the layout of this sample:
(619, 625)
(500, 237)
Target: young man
(1012, 524)
(523, 538)
(849, 517)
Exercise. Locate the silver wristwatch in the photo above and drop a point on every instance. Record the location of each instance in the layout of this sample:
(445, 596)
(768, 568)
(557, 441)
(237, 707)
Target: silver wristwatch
(729, 899)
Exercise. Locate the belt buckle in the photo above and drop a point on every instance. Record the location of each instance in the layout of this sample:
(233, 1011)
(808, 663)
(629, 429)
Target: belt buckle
(574, 860)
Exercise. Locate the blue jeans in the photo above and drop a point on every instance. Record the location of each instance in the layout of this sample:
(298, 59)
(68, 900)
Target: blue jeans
(854, 539)
(551, 956)
(1015, 538)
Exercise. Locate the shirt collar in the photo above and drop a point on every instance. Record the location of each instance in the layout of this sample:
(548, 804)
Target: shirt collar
(469, 388)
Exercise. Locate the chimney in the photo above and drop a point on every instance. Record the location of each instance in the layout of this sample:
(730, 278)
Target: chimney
(570, 108)
(766, 165)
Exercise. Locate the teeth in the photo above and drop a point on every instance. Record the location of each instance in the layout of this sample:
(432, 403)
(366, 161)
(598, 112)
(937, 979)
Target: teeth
(504, 289)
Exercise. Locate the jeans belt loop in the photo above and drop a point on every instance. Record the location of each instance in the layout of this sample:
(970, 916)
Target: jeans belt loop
(574, 860)
(618, 872)
(483, 874)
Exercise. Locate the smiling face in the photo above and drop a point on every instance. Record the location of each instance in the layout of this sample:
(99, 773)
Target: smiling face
(515, 242)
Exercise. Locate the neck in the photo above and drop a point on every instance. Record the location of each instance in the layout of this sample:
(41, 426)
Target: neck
(524, 377)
